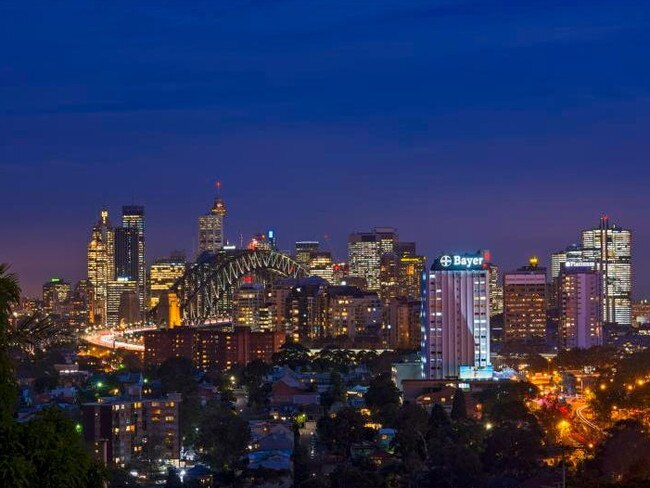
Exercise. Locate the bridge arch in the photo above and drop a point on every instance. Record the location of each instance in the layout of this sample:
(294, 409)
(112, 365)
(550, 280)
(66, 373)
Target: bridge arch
(203, 286)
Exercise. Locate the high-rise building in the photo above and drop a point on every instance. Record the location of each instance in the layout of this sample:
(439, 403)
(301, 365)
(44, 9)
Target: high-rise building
(410, 267)
(55, 293)
(496, 291)
(321, 265)
(126, 253)
(456, 328)
(364, 254)
(306, 308)
(525, 304)
(163, 273)
(580, 299)
(609, 247)
(572, 254)
(211, 231)
(100, 267)
(303, 252)
(115, 290)
(133, 218)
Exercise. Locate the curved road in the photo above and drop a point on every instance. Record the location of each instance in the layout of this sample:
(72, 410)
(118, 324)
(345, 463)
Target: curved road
(581, 416)
(112, 340)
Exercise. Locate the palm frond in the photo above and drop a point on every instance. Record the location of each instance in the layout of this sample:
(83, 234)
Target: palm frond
(9, 293)
(37, 332)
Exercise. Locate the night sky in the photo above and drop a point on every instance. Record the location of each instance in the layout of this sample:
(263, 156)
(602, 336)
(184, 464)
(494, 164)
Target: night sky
(501, 125)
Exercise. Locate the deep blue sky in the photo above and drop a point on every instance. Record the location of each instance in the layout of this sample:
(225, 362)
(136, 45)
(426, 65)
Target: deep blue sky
(490, 124)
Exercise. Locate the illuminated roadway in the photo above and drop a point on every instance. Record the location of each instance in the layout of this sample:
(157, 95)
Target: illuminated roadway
(581, 416)
(109, 338)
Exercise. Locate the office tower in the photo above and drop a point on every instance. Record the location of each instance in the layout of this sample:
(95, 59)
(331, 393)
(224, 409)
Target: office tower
(126, 253)
(133, 218)
(56, 293)
(211, 231)
(80, 300)
(321, 265)
(128, 311)
(273, 239)
(410, 267)
(403, 323)
(609, 247)
(572, 254)
(496, 291)
(581, 312)
(525, 304)
(303, 252)
(387, 238)
(115, 290)
(98, 275)
(388, 277)
(163, 273)
(456, 329)
(364, 254)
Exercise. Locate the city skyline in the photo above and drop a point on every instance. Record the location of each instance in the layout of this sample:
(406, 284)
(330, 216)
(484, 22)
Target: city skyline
(77, 270)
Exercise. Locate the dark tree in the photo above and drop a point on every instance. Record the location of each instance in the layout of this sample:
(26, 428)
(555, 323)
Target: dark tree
(173, 480)
(623, 456)
(347, 476)
(179, 375)
(411, 439)
(222, 437)
(342, 430)
(46, 451)
(382, 392)
(513, 449)
(459, 406)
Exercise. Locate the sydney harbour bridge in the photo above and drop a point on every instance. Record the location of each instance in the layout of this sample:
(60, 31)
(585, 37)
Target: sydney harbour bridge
(202, 293)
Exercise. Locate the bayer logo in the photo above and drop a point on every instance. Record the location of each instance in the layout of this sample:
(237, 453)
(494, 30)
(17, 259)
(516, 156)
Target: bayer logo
(445, 261)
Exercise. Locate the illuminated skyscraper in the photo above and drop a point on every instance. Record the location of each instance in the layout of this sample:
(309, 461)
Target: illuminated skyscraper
(55, 293)
(496, 291)
(126, 258)
(321, 265)
(410, 267)
(304, 250)
(211, 230)
(609, 247)
(364, 254)
(163, 274)
(456, 328)
(133, 218)
(580, 299)
(117, 294)
(524, 304)
(100, 266)
(572, 254)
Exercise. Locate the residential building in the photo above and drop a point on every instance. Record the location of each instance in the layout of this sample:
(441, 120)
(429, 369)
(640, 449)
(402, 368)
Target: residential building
(525, 304)
(581, 313)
